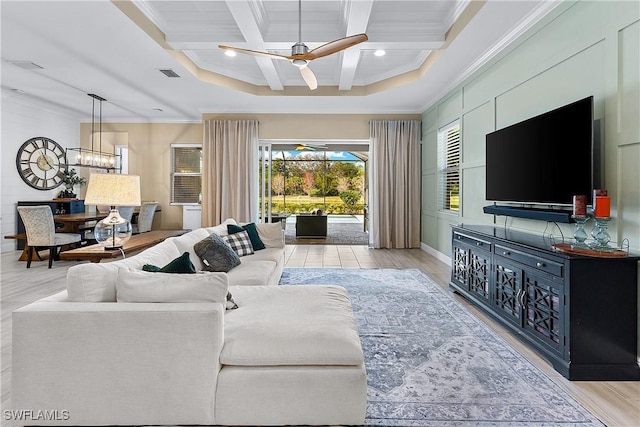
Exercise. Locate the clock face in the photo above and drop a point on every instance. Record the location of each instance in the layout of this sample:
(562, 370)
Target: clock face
(41, 163)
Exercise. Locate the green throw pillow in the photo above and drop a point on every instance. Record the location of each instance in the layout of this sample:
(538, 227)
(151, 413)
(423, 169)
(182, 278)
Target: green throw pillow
(251, 229)
(180, 265)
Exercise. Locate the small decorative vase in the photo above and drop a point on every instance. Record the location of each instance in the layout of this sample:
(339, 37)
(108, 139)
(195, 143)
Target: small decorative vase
(68, 193)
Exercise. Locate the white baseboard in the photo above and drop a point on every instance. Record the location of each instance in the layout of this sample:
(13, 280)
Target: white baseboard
(442, 257)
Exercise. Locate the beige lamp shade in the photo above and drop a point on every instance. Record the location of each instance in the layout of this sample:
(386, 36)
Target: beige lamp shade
(113, 190)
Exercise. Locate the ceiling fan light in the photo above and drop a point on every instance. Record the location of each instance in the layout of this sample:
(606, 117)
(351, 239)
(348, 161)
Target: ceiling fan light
(379, 52)
(300, 63)
(230, 53)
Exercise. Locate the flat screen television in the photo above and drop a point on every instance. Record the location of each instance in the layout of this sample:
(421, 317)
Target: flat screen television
(546, 159)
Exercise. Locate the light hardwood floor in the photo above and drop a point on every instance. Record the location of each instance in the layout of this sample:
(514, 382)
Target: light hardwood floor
(614, 403)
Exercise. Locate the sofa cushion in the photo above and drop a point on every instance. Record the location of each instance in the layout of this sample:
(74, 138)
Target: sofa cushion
(291, 325)
(215, 254)
(271, 234)
(252, 273)
(180, 265)
(93, 282)
(268, 254)
(142, 286)
(186, 242)
(221, 230)
(239, 242)
(251, 230)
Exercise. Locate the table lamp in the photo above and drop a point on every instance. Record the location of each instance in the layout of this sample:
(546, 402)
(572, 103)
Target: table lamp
(113, 190)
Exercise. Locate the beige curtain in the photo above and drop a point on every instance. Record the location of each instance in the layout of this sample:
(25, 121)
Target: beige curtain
(394, 196)
(230, 171)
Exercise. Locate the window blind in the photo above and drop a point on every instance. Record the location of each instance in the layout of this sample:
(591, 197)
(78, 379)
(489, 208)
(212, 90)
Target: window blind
(449, 167)
(186, 173)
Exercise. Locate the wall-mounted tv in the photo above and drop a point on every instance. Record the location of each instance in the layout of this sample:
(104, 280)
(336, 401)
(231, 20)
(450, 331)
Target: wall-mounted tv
(543, 160)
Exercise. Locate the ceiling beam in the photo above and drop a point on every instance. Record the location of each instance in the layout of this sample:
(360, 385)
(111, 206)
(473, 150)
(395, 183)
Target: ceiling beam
(250, 29)
(356, 16)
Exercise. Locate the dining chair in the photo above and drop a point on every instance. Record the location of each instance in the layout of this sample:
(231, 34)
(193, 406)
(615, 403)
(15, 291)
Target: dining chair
(126, 212)
(145, 217)
(41, 232)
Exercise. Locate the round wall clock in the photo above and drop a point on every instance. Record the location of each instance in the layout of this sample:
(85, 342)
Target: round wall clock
(41, 163)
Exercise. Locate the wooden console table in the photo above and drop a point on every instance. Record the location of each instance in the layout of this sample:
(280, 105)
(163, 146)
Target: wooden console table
(137, 242)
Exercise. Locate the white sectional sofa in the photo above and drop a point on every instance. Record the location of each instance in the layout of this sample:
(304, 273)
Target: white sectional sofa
(289, 355)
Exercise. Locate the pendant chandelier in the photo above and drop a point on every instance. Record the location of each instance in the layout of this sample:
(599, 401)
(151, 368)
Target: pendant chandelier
(93, 158)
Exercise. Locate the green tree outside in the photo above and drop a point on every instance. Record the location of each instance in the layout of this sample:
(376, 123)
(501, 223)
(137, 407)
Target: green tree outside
(311, 181)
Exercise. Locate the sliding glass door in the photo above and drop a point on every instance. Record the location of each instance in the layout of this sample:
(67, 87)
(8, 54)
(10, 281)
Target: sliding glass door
(299, 180)
(265, 182)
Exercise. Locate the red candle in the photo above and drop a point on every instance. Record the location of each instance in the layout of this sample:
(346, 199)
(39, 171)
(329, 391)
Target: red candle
(603, 207)
(580, 205)
(596, 193)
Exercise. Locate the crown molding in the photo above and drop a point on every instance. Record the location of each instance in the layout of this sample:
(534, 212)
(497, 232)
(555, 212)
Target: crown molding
(41, 104)
(523, 26)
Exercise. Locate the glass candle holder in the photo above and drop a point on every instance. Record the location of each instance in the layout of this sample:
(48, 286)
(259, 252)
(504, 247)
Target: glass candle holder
(580, 235)
(601, 236)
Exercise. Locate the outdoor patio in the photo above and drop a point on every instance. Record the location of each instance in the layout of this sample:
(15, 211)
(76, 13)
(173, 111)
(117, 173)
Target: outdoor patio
(341, 230)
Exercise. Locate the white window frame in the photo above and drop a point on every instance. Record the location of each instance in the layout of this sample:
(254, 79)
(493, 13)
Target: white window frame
(175, 174)
(449, 157)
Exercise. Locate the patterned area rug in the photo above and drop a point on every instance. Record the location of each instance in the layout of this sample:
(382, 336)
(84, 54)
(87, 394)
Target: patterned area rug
(431, 363)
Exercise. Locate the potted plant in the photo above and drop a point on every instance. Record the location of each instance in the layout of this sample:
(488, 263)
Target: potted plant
(70, 180)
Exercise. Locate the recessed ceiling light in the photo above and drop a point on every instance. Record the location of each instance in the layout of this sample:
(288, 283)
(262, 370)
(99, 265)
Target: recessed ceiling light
(379, 52)
(230, 53)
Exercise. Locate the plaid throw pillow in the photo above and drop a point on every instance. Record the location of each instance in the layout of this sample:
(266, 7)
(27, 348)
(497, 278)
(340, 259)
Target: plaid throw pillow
(240, 243)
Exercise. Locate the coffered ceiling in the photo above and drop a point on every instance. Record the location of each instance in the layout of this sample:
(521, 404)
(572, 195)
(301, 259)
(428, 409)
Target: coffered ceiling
(408, 31)
(55, 52)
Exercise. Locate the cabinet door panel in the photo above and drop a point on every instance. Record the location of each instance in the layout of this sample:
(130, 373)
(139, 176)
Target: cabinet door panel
(460, 265)
(544, 310)
(76, 206)
(479, 271)
(507, 291)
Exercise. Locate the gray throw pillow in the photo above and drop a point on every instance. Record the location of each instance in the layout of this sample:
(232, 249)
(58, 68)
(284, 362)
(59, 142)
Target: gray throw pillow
(215, 254)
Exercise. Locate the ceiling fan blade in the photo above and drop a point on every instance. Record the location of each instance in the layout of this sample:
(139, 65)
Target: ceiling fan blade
(310, 147)
(334, 46)
(254, 52)
(309, 77)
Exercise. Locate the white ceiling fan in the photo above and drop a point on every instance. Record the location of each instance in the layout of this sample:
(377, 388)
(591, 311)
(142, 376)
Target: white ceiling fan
(310, 147)
(301, 55)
